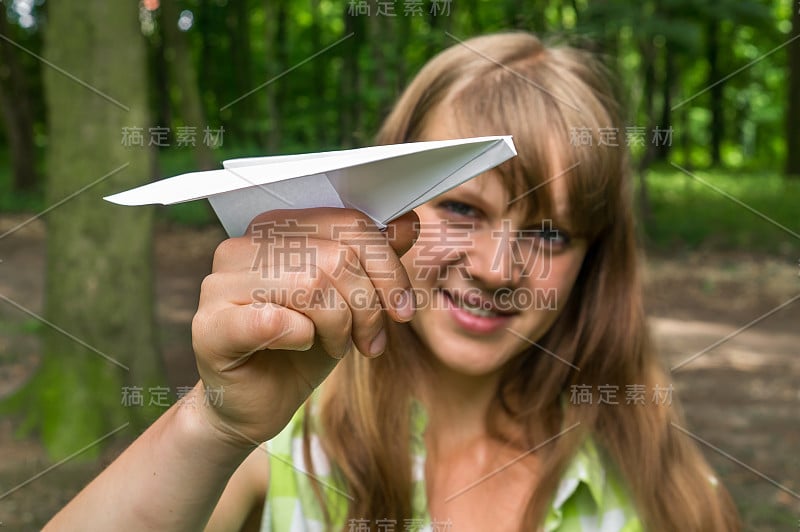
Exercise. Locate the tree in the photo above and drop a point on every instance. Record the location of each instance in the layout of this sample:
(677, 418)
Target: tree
(277, 63)
(99, 267)
(793, 105)
(238, 26)
(183, 73)
(15, 104)
(351, 117)
(716, 90)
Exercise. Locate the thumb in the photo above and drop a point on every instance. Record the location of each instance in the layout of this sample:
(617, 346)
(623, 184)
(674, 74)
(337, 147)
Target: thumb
(403, 232)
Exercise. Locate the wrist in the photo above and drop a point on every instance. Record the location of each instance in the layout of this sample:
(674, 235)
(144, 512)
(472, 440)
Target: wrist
(219, 442)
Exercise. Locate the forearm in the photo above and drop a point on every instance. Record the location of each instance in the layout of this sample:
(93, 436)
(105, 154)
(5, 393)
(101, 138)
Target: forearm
(169, 479)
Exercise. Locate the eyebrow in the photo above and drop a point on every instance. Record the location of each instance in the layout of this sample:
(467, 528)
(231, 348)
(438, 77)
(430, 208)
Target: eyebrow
(560, 218)
(468, 194)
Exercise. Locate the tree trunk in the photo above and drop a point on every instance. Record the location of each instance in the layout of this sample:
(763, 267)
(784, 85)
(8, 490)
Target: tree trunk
(203, 23)
(514, 14)
(440, 24)
(664, 145)
(685, 137)
(99, 256)
(15, 106)
(158, 69)
(793, 105)
(647, 51)
(473, 10)
(318, 136)
(184, 77)
(402, 40)
(277, 63)
(239, 30)
(350, 117)
(716, 92)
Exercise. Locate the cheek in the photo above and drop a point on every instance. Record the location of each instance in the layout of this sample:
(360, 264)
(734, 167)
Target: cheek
(410, 261)
(564, 270)
(554, 277)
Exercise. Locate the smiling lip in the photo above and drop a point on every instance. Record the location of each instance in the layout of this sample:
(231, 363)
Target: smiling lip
(473, 322)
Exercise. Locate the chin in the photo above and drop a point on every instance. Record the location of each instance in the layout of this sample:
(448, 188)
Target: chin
(471, 361)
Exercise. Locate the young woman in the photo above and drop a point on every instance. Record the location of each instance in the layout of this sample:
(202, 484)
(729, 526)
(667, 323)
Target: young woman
(516, 387)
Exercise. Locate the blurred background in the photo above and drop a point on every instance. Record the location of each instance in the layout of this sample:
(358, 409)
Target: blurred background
(96, 300)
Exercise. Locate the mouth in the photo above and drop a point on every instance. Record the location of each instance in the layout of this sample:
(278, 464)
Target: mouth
(472, 302)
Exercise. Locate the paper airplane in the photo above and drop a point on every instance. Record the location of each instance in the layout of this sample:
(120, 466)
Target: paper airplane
(383, 182)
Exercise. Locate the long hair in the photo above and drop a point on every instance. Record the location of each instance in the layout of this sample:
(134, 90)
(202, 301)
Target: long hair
(561, 109)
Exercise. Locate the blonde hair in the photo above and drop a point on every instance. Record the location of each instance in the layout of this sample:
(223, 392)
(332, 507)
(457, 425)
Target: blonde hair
(512, 84)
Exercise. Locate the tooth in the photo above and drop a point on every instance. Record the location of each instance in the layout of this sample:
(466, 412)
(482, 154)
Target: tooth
(477, 311)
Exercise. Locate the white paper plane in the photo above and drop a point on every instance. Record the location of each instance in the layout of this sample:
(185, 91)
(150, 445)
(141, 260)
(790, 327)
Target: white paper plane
(383, 182)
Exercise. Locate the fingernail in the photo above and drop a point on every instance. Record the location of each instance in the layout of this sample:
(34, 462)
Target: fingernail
(378, 343)
(405, 305)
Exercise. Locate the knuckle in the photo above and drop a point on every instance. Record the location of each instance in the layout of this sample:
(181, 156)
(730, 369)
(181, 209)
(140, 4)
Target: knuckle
(199, 328)
(303, 288)
(372, 319)
(266, 324)
(226, 249)
(331, 258)
(343, 324)
(265, 217)
(210, 281)
(315, 278)
(199, 324)
(361, 219)
(352, 225)
(344, 263)
(208, 286)
(394, 271)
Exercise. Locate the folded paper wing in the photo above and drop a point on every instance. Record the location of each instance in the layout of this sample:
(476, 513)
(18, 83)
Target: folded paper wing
(384, 182)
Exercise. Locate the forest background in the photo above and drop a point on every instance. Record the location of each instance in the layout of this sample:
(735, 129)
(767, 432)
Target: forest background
(97, 97)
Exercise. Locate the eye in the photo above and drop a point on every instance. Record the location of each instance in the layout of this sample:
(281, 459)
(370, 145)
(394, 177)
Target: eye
(460, 208)
(547, 235)
(555, 238)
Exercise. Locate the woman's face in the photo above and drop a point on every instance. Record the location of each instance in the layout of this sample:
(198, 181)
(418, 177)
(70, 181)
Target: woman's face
(489, 280)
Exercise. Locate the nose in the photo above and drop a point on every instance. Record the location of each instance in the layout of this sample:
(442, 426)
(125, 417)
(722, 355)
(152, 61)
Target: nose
(495, 260)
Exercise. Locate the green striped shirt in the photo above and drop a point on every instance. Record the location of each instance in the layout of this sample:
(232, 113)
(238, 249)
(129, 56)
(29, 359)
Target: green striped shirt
(589, 497)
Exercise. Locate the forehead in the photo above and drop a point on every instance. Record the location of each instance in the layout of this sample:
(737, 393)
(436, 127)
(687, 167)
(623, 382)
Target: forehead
(442, 124)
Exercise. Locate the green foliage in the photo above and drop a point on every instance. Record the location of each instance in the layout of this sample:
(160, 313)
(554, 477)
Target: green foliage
(29, 326)
(316, 94)
(192, 213)
(301, 96)
(14, 200)
(689, 214)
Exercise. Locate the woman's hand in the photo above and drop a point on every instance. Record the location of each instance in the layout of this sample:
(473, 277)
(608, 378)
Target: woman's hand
(302, 289)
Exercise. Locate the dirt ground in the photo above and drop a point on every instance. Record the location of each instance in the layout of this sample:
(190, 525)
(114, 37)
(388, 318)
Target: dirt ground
(741, 396)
